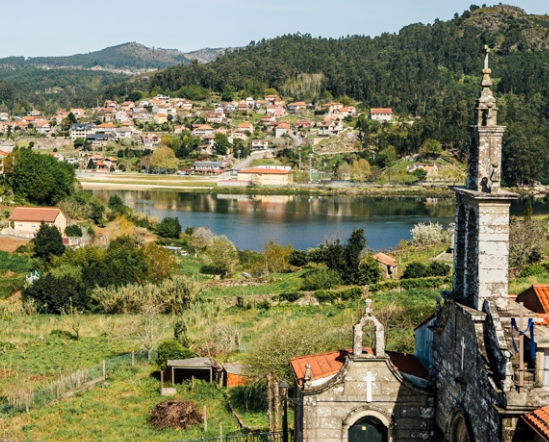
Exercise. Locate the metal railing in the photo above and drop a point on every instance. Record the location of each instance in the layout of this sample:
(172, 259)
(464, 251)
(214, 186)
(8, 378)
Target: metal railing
(72, 383)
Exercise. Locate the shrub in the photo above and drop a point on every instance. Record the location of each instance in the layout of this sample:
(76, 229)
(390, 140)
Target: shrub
(48, 241)
(533, 270)
(298, 258)
(189, 230)
(324, 296)
(350, 294)
(169, 227)
(437, 268)
(321, 278)
(424, 283)
(73, 230)
(170, 349)
(414, 270)
(290, 297)
(369, 272)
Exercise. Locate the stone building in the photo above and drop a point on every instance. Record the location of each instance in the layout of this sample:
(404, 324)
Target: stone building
(484, 383)
(363, 393)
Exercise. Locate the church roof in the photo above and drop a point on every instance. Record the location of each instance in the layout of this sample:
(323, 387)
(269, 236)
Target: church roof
(328, 364)
(539, 421)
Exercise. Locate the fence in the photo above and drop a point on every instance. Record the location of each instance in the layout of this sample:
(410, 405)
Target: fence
(249, 437)
(69, 385)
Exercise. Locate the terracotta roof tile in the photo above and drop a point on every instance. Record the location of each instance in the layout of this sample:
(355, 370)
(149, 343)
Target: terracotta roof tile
(328, 364)
(385, 259)
(539, 421)
(542, 292)
(381, 110)
(38, 214)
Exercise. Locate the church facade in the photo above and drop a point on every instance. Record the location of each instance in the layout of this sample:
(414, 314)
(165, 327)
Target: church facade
(474, 385)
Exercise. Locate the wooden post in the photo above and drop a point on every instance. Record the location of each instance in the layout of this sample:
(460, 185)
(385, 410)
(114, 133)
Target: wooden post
(192, 383)
(57, 389)
(521, 349)
(161, 381)
(173, 376)
(133, 358)
(104, 371)
(27, 403)
(220, 431)
(205, 419)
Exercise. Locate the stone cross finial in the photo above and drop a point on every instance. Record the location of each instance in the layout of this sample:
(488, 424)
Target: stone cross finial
(486, 52)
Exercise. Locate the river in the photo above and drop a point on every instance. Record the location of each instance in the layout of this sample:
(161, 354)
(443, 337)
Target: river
(250, 221)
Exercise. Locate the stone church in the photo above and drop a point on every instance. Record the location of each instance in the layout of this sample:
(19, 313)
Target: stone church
(472, 378)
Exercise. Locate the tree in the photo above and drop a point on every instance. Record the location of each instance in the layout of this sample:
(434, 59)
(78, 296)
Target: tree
(48, 241)
(221, 255)
(148, 327)
(228, 93)
(41, 179)
(79, 142)
(360, 170)
(369, 272)
(437, 268)
(160, 262)
(73, 230)
(526, 241)
(222, 144)
(528, 211)
(298, 258)
(276, 256)
(164, 158)
(169, 227)
(170, 349)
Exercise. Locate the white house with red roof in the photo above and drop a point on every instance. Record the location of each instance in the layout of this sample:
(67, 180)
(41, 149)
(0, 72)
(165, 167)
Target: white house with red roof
(25, 221)
(381, 114)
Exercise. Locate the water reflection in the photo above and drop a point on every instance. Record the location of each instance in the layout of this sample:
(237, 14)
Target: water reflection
(251, 220)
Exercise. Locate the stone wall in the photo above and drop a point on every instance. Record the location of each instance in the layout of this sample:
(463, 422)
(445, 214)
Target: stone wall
(465, 390)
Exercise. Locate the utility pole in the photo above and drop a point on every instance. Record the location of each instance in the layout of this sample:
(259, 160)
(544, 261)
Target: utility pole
(299, 150)
(310, 167)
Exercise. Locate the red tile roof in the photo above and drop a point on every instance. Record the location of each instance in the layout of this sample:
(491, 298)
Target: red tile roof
(3, 154)
(328, 364)
(539, 421)
(385, 259)
(381, 110)
(265, 171)
(37, 214)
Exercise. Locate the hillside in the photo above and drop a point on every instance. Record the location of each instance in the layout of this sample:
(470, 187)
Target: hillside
(125, 56)
(427, 73)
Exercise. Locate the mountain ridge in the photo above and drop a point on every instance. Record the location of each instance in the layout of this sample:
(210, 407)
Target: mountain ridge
(131, 55)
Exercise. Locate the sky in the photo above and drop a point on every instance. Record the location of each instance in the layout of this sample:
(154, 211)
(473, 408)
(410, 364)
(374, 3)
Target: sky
(66, 27)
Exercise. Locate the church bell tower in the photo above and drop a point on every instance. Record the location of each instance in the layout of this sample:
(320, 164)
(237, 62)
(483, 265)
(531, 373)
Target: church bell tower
(481, 248)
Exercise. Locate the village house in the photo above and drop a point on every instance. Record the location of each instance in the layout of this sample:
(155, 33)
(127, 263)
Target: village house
(296, 107)
(209, 167)
(388, 264)
(106, 128)
(121, 116)
(430, 169)
(160, 118)
(276, 111)
(243, 107)
(265, 176)
(281, 129)
(202, 130)
(98, 140)
(127, 106)
(42, 127)
(78, 113)
(245, 127)
(215, 117)
(25, 221)
(81, 130)
(4, 116)
(106, 114)
(260, 144)
(344, 112)
(150, 140)
(59, 116)
(123, 133)
(330, 127)
(330, 108)
(304, 124)
(381, 114)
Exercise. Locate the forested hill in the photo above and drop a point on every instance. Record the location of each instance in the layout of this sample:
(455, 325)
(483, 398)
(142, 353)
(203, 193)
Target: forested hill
(124, 56)
(430, 72)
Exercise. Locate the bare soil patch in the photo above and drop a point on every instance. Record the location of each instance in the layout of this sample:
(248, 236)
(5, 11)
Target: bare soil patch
(175, 414)
(10, 244)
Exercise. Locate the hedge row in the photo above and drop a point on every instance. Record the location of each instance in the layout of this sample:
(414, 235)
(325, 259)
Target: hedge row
(433, 282)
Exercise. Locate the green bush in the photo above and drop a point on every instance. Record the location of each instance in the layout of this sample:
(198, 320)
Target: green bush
(298, 258)
(169, 227)
(414, 270)
(369, 272)
(74, 231)
(290, 297)
(437, 268)
(321, 278)
(350, 293)
(424, 283)
(533, 270)
(170, 349)
(324, 296)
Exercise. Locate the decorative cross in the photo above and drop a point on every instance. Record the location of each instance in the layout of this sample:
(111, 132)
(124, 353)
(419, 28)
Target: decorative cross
(486, 52)
(462, 352)
(369, 379)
